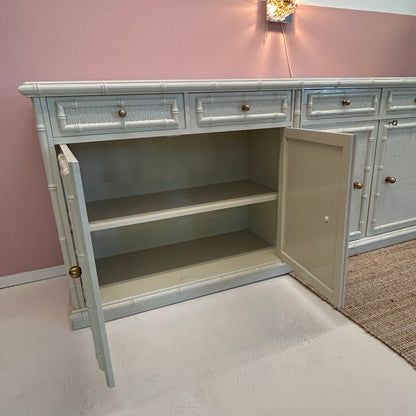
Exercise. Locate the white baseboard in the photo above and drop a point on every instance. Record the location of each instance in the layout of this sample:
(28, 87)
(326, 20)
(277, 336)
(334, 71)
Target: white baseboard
(32, 276)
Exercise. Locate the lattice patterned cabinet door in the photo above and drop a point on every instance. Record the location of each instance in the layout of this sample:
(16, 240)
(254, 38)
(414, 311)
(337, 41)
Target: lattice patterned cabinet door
(393, 195)
(364, 149)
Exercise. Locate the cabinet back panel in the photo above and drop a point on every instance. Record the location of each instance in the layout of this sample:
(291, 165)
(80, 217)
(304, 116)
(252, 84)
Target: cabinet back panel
(133, 167)
(170, 231)
(262, 219)
(263, 157)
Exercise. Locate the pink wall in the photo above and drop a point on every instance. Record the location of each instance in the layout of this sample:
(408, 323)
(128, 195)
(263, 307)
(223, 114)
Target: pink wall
(159, 39)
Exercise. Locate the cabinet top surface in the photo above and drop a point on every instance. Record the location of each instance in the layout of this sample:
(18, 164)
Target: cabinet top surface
(69, 88)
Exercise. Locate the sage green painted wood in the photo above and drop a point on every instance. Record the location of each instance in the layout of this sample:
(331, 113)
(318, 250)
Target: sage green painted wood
(123, 168)
(340, 103)
(71, 178)
(111, 213)
(93, 115)
(315, 175)
(241, 108)
(176, 265)
(399, 101)
(57, 199)
(85, 88)
(364, 150)
(252, 267)
(393, 205)
(107, 152)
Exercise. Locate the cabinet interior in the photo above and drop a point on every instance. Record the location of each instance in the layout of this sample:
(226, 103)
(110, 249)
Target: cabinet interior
(169, 211)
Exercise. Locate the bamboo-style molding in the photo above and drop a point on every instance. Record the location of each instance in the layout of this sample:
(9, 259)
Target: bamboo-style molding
(58, 203)
(365, 193)
(394, 109)
(120, 123)
(67, 88)
(312, 113)
(282, 97)
(297, 108)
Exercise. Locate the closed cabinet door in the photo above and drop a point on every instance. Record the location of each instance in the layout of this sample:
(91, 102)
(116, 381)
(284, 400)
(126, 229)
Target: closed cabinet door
(363, 160)
(86, 269)
(393, 194)
(313, 200)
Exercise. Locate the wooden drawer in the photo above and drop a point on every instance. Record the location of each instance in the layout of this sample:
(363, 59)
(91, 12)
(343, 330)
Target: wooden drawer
(340, 103)
(221, 109)
(399, 101)
(94, 115)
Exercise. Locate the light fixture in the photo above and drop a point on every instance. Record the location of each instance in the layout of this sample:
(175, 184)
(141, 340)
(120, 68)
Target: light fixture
(279, 10)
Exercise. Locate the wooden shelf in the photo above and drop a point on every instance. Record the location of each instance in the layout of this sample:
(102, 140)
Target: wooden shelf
(137, 209)
(142, 272)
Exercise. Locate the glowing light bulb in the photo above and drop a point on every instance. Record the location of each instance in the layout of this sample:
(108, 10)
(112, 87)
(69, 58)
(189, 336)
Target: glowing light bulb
(279, 10)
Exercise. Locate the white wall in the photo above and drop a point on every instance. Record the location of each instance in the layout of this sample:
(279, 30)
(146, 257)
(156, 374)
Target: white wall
(387, 6)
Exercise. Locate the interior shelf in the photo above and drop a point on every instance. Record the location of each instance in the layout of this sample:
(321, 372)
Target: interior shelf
(118, 212)
(143, 272)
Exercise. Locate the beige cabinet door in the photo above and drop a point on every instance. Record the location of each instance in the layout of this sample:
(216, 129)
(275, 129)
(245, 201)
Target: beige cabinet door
(314, 192)
(74, 195)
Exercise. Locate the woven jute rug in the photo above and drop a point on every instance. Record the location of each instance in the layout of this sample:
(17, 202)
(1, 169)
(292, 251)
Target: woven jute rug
(380, 296)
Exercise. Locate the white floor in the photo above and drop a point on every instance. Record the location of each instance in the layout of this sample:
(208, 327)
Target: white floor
(271, 348)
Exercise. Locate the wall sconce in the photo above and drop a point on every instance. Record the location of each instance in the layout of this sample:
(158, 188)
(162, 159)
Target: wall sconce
(279, 10)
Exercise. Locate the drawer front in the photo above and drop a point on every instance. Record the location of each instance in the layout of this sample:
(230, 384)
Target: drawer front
(94, 115)
(241, 108)
(399, 101)
(340, 103)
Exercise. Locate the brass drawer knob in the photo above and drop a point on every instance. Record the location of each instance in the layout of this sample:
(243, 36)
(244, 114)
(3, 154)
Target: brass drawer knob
(122, 113)
(390, 179)
(75, 272)
(245, 107)
(358, 185)
(346, 102)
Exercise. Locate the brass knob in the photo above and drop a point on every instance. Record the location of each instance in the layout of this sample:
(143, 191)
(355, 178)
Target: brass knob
(358, 185)
(122, 113)
(390, 179)
(75, 272)
(245, 107)
(346, 102)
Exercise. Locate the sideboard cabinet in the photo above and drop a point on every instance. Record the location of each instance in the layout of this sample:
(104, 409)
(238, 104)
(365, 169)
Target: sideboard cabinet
(165, 191)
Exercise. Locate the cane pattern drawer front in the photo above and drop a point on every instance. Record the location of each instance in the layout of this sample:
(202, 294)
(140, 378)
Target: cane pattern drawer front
(238, 108)
(340, 103)
(94, 115)
(399, 101)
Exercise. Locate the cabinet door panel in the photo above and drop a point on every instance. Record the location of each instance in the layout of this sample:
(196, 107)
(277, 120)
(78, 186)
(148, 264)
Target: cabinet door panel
(363, 159)
(393, 205)
(314, 189)
(71, 179)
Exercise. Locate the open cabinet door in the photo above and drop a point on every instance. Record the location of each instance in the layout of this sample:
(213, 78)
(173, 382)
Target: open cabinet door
(314, 188)
(74, 194)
